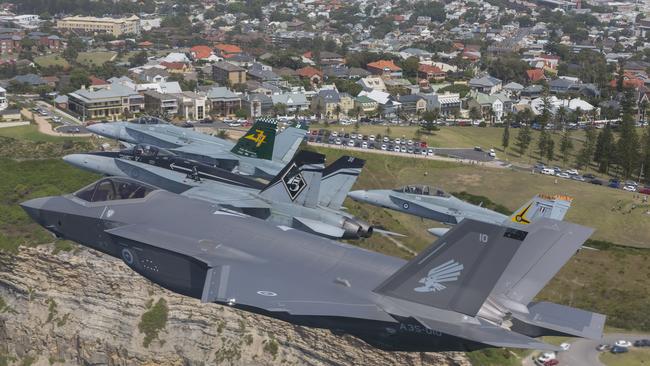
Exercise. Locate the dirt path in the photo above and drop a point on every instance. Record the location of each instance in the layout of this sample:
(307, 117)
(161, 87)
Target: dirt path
(45, 127)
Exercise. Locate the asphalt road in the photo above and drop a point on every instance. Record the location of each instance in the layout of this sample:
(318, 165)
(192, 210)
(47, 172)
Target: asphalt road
(583, 351)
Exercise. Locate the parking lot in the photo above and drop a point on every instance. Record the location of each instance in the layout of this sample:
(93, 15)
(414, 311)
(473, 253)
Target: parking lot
(397, 145)
(573, 174)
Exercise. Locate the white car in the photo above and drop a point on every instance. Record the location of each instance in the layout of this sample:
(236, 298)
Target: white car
(548, 171)
(546, 356)
(563, 175)
(410, 142)
(623, 343)
(572, 172)
(371, 137)
(397, 141)
(565, 346)
(351, 143)
(430, 152)
(396, 148)
(353, 136)
(364, 145)
(386, 139)
(384, 147)
(403, 149)
(492, 154)
(337, 141)
(359, 137)
(334, 134)
(630, 188)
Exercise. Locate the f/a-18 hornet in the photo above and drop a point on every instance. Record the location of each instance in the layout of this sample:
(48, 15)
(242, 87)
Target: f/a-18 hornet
(303, 195)
(471, 289)
(259, 153)
(435, 204)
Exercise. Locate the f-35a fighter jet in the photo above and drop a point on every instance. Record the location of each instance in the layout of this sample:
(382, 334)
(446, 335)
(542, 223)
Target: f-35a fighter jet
(435, 204)
(471, 289)
(303, 195)
(259, 153)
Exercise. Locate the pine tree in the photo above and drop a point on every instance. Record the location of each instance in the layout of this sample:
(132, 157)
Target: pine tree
(541, 144)
(605, 150)
(646, 155)
(505, 139)
(627, 149)
(523, 140)
(550, 148)
(566, 146)
(586, 154)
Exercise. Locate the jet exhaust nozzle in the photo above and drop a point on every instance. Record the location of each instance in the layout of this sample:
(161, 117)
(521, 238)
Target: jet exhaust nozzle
(355, 229)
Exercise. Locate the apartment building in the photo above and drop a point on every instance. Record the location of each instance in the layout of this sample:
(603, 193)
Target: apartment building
(114, 26)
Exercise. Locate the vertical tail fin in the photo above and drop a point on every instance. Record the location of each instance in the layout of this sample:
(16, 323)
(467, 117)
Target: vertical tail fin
(259, 141)
(298, 181)
(458, 271)
(552, 207)
(287, 143)
(338, 179)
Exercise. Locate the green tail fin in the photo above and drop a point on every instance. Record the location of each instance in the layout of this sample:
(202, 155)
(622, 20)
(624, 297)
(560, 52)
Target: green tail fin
(258, 141)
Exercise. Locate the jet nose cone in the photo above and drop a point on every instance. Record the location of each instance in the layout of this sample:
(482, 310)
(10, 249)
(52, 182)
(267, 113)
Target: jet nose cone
(103, 129)
(358, 195)
(34, 207)
(75, 159)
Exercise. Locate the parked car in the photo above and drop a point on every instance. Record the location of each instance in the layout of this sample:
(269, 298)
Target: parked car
(371, 138)
(579, 178)
(551, 362)
(386, 139)
(477, 148)
(353, 135)
(589, 176)
(565, 346)
(364, 145)
(492, 154)
(602, 347)
(629, 188)
(572, 172)
(623, 343)
(397, 141)
(545, 357)
(642, 343)
(539, 167)
(430, 152)
(548, 171)
(334, 134)
(644, 190)
(597, 182)
(351, 143)
(403, 149)
(562, 175)
(613, 183)
(396, 148)
(384, 147)
(618, 349)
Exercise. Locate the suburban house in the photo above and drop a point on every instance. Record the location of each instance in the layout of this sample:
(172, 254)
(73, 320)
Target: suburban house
(191, 105)
(223, 102)
(257, 105)
(413, 104)
(561, 85)
(385, 68)
(367, 105)
(160, 104)
(228, 74)
(326, 102)
(372, 83)
(295, 102)
(387, 105)
(447, 104)
(485, 84)
(314, 75)
(492, 106)
(153, 75)
(430, 72)
(105, 103)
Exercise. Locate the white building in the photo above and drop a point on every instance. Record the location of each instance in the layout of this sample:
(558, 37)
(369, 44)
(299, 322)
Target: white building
(3, 99)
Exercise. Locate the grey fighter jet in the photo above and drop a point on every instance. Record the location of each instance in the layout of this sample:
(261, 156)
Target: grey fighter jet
(471, 289)
(435, 204)
(259, 153)
(299, 196)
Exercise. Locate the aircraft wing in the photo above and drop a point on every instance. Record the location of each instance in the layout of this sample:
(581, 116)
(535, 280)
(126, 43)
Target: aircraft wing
(423, 209)
(318, 227)
(225, 197)
(233, 276)
(201, 149)
(487, 333)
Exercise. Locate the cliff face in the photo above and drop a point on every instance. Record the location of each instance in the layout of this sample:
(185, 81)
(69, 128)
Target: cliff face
(84, 308)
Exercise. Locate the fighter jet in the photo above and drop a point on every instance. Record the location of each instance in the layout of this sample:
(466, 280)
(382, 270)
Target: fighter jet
(258, 153)
(300, 196)
(435, 204)
(469, 290)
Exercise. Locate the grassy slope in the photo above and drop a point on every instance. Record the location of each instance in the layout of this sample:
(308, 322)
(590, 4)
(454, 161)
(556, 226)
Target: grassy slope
(51, 60)
(636, 357)
(96, 57)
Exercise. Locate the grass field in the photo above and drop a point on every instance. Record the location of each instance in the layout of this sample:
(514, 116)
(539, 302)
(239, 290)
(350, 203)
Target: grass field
(30, 132)
(95, 58)
(54, 59)
(636, 357)
(615, 214)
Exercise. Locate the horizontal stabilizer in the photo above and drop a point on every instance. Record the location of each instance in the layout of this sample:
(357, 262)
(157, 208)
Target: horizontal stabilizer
(546, 318)
(487, 333)
(318, 227)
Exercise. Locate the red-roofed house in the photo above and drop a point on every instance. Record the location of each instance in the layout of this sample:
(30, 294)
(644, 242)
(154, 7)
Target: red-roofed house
(314, 75)
(145, 44)
(535, 75)
(200, 52)
(430, 72)
(385, 68)
(175, 67)
(550, 61)
(226, 50)
(95, 81)
(629, 81)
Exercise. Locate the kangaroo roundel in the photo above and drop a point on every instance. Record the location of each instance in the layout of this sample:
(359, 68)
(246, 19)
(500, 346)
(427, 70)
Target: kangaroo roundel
(446, 272)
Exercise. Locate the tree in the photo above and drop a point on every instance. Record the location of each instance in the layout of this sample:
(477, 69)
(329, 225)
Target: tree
(337, 110)
(560, 118)
(475, 113)
(279, 109)
(139, 59)
(605, 149)
(546, 145)
(505, 138)
(566, 146)
(586, 154)
(627, 148)
(645, 163)
(523, 140)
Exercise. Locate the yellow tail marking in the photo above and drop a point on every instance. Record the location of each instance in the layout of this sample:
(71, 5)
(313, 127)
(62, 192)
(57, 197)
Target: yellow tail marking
(259, 138)
(521, 216)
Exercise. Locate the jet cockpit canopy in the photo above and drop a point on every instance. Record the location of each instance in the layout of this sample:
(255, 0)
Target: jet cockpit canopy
(422, 190)
(114, 188)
